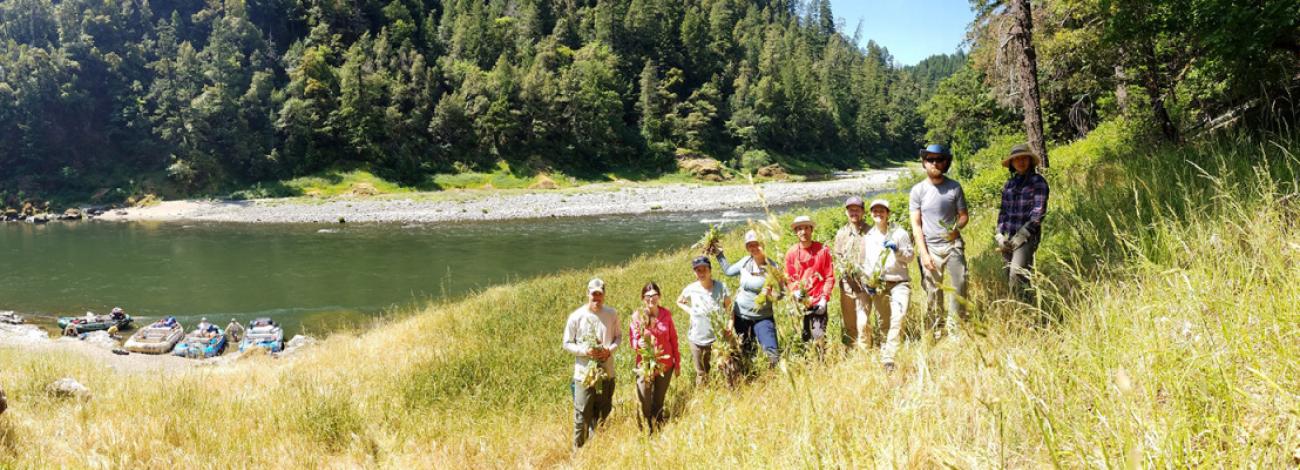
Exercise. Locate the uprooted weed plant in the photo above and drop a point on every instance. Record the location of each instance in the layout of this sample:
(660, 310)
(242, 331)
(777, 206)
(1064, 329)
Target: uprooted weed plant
(1166, 335)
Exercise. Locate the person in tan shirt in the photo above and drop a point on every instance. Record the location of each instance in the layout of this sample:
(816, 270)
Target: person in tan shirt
(849, 249)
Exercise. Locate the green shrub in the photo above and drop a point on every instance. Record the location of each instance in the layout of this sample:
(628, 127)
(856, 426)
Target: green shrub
(752, 160)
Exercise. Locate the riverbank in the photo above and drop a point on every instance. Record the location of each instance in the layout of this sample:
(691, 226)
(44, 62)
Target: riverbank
(1137, 356)
(31, 339)
(485, 205)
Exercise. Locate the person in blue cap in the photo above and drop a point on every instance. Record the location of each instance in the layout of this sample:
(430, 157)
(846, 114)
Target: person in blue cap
(938, 211)
(702, 300)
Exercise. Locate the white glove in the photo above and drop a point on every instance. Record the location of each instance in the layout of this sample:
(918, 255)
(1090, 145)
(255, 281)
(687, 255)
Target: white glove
(798, 295)
(1022, 237)
(1002, 242)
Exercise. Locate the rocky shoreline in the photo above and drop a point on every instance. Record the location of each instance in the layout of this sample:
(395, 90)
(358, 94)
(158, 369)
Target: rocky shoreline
(604, 199)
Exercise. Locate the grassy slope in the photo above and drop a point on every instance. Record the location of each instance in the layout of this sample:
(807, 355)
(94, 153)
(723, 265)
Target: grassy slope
(343, 183)
(1176, 345)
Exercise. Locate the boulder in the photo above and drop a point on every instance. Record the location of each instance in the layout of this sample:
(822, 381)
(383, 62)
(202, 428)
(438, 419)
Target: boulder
(11, 334)
(544, 182)
(773, 171)
(68, 388)
(71, 214)
(706, 169)
(296, 343)
(10, 317)
(100, 338)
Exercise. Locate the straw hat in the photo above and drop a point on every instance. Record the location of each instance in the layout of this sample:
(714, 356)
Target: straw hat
(1018, 150)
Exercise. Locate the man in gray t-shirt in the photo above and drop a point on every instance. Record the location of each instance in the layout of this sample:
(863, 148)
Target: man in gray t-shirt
(938, 210)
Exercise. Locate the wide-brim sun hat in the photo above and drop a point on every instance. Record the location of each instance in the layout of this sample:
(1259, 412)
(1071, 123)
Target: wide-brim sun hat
(881, 203)
(1021, 150)
(751, 237)
(802, 220)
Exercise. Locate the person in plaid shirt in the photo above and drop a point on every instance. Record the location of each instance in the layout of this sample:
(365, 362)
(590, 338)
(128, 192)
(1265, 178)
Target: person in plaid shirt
(1020, 220)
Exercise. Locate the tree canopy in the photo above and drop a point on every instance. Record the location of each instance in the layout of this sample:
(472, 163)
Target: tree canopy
(204, 95)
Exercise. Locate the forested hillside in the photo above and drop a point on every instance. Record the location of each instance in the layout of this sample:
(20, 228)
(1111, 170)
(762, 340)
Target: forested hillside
(198, 96)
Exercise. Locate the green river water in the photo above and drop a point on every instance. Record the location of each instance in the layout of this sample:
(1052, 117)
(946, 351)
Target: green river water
(310, 278)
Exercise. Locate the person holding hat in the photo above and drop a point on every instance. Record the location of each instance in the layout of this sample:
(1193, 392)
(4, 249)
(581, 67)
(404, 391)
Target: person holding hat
(810, 276)
(591, 405)
(848, 249)
(888, 249)
(752, 322)
(653, 323)
(703, 299)
(938, 211)
(1020, 219)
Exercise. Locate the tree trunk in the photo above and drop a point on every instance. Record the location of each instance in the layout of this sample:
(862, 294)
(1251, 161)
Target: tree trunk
(1155, 92)
(1121, 89)
(1022, 42)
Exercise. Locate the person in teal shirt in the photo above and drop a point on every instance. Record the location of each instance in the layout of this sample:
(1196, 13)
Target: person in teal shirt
(754, 323)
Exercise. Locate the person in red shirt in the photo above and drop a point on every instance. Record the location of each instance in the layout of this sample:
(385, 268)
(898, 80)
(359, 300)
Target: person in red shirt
(653, 324)
(810, 276)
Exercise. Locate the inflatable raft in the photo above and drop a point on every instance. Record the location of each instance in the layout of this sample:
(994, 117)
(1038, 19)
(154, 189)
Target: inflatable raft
(157, 338)
(263, 333)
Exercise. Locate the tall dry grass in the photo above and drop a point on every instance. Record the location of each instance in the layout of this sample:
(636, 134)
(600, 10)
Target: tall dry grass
(1167, 336)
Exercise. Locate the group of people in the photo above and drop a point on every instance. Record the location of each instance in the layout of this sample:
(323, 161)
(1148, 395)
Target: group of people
(876, 254)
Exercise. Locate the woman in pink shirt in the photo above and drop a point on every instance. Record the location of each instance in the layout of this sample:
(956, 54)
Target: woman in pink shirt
(653, 335)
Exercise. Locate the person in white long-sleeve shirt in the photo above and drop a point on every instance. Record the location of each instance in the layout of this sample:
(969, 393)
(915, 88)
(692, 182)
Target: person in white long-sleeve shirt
(888, 250)
(591, 405)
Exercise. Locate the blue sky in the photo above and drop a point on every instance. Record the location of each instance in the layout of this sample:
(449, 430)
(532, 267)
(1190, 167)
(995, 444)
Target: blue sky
(911, 29)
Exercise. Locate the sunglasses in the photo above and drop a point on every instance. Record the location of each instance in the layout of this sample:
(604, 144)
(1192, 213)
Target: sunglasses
(936, 160)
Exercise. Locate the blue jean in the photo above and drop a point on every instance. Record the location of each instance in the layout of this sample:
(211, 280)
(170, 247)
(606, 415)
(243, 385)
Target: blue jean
(762, 331)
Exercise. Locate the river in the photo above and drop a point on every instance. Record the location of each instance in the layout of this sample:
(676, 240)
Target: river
(309, 277)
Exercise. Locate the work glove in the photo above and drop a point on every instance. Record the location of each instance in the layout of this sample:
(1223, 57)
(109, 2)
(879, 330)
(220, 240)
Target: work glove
(1021, 237)
(1002, 242)
(798, 295)
(891, 245)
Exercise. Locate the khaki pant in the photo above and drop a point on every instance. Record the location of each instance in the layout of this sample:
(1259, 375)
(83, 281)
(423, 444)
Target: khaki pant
(652, 394)
(853, 300)
(890, 303)
(1019, 264)
(951, 265)
(590, 407)
(701, 355)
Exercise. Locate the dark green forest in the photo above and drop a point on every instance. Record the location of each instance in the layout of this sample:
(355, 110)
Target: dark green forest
(202, 96)
(1182, 68)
